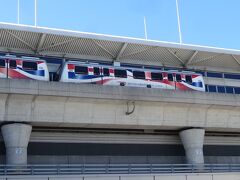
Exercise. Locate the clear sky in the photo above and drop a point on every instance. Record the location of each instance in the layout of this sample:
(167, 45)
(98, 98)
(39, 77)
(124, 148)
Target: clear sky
(203, 22)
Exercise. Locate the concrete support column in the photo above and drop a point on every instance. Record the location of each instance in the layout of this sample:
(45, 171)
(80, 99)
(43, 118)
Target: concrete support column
(192, 140)
(16, 137)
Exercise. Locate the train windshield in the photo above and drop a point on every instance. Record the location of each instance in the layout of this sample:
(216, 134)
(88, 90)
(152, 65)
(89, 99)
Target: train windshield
(27, 65)
(2, 63)
(189, 79)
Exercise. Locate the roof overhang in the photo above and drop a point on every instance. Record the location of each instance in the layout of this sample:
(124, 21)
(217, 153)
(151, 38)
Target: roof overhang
(15, 38)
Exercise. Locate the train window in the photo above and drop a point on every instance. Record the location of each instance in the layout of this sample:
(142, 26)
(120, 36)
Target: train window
(232, 76)
(178, 78)
(157, 76)
(214, 74)
(221, 89)
(170, 77)
(2, 63)
(96, 71)
(28, 65)
(237, 90)
(106, 72)
(200, 72)
(188, 79)
(12, 64)
(120, 73)
(81, 70)
(229, 90)
(212, 88)
(138, 74)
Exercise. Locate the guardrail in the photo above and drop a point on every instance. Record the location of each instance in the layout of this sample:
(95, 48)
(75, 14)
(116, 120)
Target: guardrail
(70, 169)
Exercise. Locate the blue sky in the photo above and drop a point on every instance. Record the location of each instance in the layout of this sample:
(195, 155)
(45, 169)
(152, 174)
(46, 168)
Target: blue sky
(203, 22)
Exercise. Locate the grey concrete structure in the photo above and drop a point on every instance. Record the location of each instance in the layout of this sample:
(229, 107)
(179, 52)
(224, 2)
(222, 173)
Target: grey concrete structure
(88, 105)
(16, 137)
(192, 140)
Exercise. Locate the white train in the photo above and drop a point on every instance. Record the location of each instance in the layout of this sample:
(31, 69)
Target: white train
(77, 72)
(23, 68)
(121, 76)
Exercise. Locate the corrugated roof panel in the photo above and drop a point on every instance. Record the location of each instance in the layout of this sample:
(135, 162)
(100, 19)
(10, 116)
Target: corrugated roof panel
(183, 54)
(113, 47)
(156, 55)
(10, 41)
(74, 46)
(134, 48)
(29, 37)
(202, 56)
(87, 47)
(55, 40)
(223, 61)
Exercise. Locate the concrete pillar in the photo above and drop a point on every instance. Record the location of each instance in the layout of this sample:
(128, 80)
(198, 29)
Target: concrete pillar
(192, 140)
(16, 137)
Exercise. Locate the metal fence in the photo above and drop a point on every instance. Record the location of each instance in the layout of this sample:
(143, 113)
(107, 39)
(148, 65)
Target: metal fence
(70, 169)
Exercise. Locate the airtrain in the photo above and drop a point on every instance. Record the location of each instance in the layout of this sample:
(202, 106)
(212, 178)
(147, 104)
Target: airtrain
(79, 72)
(23, 68)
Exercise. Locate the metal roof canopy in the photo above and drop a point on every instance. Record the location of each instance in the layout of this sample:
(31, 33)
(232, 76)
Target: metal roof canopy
(15, 38)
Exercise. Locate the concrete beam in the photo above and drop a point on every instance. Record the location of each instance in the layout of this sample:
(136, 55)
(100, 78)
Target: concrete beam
(192, 140)
(16, 137)
(60, 89)
(95, 106)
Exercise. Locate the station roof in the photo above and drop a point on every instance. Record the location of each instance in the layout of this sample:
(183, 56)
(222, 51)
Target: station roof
(15, 38)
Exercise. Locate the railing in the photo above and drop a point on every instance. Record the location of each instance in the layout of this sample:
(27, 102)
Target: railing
(116, 169)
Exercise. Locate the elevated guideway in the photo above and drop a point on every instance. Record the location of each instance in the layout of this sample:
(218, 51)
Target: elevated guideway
(81, 105)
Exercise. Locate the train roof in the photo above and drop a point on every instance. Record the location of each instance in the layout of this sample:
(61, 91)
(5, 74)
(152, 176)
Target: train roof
(52, 42)
(25, 58)
(132, 68)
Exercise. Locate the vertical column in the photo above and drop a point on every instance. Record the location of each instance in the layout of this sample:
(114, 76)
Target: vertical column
(16, 137)
(192, 140)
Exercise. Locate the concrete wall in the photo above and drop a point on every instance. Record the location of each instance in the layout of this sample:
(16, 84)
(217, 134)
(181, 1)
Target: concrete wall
(15, 86)
(75, 105)
(228, 176)
(86, 112)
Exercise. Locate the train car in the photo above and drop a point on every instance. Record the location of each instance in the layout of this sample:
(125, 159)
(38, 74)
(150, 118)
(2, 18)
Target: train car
(120, 76)
(23, 68)
(3, 68)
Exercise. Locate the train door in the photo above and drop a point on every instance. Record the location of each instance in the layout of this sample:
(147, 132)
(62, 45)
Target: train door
(95, 73)
(12, 66)
(3, 68)
(178, 81)
(170, 84)
(106, 75)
